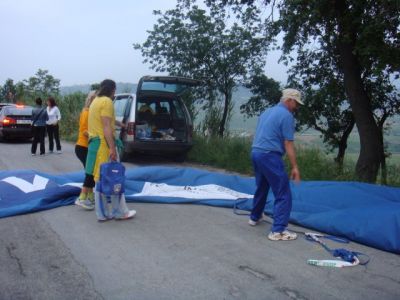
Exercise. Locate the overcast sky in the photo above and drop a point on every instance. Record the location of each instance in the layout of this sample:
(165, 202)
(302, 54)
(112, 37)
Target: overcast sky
(80, 41)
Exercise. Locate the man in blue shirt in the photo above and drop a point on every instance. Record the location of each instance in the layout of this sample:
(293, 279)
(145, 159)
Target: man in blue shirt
(273, 138)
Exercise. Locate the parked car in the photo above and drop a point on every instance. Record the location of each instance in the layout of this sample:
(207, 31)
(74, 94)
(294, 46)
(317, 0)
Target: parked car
(6, 104)
(15, 122)
(157, 121)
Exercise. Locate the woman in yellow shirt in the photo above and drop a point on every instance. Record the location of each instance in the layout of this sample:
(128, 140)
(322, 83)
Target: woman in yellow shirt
(86, 197)
(102, 148)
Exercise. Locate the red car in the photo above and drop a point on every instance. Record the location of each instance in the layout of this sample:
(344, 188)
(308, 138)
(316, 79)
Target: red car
(15, 122)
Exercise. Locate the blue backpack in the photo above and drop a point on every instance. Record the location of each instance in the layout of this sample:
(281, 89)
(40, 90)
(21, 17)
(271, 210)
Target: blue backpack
(112, 179)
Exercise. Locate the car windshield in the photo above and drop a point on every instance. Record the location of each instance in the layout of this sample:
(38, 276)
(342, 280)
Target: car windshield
(18, 111)
(163, 87)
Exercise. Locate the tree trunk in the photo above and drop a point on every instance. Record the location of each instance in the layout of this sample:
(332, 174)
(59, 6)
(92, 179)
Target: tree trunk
(227, 101)
(384, 171)
(343, 144)
(381, 122)
(371, 147)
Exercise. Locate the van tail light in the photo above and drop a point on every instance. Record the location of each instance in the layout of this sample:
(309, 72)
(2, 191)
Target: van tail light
(8, 121)
(130, 129)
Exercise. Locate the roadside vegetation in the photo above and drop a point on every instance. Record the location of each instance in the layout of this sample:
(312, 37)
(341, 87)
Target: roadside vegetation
(233, 154)
(228, 152)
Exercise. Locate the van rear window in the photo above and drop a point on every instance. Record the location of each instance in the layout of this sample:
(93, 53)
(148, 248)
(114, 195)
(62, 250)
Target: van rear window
(163, 87)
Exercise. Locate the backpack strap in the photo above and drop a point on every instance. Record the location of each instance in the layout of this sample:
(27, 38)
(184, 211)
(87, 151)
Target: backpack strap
(37, 116)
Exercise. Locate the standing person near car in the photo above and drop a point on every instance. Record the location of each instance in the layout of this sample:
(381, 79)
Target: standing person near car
(86, 197)
(39, 119)
(274, 136)
(52, 127)
(102, 148)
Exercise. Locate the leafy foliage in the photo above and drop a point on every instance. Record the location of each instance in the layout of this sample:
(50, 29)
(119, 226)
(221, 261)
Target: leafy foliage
(8, 91)
(208, 45)
(347, 51)
(70, 106)
(41, 85)
(95, 86)
(266, 92)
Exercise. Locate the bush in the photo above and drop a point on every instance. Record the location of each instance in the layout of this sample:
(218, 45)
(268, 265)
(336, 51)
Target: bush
(315, 165)
(70, 107)
(233, 154)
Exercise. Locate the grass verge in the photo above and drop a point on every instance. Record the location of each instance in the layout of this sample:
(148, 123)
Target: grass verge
(233, 154)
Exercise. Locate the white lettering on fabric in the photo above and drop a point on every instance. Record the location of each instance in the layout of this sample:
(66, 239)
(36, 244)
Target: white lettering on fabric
(39, 183)
(208, 191)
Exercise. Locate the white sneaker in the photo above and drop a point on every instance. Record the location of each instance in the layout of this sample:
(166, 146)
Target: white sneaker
(254, 223)
(59, 151)
(282, 236)
(129, 215)
(88, 204)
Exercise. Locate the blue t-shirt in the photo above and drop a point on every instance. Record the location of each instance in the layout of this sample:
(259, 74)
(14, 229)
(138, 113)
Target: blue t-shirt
(275, 125)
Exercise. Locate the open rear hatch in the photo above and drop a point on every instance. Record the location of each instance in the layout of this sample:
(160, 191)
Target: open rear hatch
(161, 115)
(150, 85)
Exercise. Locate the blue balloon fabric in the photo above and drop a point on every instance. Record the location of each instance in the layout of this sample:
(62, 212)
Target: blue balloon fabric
(365, 213)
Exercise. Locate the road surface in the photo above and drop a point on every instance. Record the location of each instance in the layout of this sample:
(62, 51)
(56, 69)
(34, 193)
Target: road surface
(167, 252)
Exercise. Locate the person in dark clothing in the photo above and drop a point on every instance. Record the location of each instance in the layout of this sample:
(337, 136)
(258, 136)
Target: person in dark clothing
(39, 119)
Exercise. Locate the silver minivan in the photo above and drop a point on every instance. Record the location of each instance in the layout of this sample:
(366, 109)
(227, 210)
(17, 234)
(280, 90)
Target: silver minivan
(157, 121)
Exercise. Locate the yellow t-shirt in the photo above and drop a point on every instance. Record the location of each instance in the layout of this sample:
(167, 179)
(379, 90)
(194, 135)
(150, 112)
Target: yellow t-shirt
(100, 107)
(83, 127)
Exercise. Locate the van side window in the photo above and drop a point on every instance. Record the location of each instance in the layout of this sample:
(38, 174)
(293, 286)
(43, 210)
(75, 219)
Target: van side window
(119, 106)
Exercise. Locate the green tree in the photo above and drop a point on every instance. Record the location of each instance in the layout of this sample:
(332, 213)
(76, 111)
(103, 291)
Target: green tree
(385, 104)
(20, 91)
(95, 86)
(325, 110)
(70, 106)
(362, 39)
(208, 45)
(266, 92)
(8, 91)
(326, 107)
(42, 85)
(328, 113)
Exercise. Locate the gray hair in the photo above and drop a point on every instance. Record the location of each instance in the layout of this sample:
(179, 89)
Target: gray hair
(89, 98)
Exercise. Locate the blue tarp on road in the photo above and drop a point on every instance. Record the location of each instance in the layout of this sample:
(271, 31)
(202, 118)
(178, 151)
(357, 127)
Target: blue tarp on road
(365, 213)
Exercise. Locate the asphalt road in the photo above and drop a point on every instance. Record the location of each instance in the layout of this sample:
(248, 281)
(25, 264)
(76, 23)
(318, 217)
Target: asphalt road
(167, 252)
